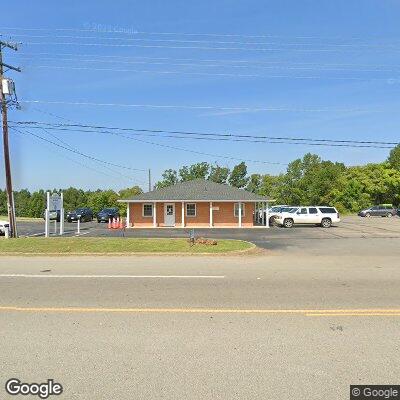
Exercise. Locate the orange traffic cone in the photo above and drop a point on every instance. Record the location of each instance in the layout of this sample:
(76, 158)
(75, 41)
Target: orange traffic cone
(113, 223)
(109, 223)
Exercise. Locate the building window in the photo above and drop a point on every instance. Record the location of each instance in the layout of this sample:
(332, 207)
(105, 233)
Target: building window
(236, 210)
(190, 209)
(147, 210)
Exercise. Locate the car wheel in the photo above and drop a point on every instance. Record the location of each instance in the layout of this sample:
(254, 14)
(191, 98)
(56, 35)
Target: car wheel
(367, 215)
(272, 221)
(288, 223)
(326, 223)
(389, 215)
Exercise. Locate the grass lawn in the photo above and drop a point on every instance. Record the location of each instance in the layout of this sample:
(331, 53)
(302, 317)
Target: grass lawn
(80, 245)
(5, 218)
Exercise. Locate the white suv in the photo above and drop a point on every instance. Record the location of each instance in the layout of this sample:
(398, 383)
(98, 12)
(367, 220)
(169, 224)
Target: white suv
(3, 226)
(317, 215)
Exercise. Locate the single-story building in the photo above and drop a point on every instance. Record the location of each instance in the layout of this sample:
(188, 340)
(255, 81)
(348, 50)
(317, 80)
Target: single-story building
(196, 203)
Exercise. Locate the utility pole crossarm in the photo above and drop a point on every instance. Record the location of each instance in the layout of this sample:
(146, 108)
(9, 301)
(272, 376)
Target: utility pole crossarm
(11, 46)
(11, 67)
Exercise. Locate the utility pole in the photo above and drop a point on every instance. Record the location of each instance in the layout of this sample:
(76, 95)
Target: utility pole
(149, 180)
(3, 101)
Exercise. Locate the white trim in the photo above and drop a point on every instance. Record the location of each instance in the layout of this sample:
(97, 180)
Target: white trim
(211, 214)
(192, 201)
(152, 210)
(243, 208)
(240, 214)
(183, 214)
(128, 215)
(195, 210)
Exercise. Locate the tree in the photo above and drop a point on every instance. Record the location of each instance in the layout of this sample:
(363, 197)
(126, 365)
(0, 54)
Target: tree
(169, 178)
(218, 174)
(254, 183)
(102, 199)
(238, 177)
(194, 171)
(3, 202)
(394, 158)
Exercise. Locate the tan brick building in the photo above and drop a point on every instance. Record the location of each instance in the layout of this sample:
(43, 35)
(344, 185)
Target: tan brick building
(198, 203)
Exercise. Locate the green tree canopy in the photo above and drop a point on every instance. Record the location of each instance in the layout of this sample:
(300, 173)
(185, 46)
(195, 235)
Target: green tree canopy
(218, 174)
(394, 158)
(238, 177)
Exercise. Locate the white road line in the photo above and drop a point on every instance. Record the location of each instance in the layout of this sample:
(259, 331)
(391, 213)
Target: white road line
(113, 276)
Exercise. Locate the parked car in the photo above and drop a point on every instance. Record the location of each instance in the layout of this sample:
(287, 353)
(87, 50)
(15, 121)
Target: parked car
(4, 225)
(53, 215)
(383, 210)
(84, 214)
(277, 210)
(323, 216)
(106, 214)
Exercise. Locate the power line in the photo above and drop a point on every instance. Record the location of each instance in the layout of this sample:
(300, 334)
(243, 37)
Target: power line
(262, 49)
(263, 62)
(199, 107)
(215, 136)
(71, 159)
(131, 31)
(210, 73)
(341, 45)
(73, 148)
(80, 153)
(94, 59)
(189, 150)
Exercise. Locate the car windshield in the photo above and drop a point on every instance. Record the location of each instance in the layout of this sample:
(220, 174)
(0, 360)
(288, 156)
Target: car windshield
(276, 209)
(108, 210)
(80, 210)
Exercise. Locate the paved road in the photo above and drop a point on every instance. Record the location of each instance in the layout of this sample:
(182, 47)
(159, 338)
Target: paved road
(260, 327)
(365, 235)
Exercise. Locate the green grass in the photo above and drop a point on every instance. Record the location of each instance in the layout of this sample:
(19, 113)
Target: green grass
(5, 218)
(82, 245)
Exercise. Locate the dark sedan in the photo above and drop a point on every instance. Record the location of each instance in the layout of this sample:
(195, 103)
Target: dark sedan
(106, 214)
(84, 214)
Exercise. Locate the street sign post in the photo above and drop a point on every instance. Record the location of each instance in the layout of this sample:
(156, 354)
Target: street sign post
(55, 202)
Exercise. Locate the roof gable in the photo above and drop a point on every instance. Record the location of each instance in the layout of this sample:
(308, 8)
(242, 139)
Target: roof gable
(197, 190)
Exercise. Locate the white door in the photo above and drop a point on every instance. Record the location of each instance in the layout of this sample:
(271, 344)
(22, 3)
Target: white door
(169, 214)
(302, 216)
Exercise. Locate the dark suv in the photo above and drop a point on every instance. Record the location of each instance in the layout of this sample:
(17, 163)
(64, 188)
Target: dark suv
(84, 214)
(379, 211)
(106, 214)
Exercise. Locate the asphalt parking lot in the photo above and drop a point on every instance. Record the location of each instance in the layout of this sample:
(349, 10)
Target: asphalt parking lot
(311, 238)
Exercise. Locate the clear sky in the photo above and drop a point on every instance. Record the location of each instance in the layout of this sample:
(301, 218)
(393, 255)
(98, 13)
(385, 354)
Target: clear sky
(317, 69)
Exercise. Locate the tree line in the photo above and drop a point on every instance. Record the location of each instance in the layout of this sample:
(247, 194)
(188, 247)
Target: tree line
(32, 204)
(309, 180)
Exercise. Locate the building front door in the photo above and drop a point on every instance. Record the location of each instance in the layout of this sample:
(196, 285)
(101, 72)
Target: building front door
(169, 214)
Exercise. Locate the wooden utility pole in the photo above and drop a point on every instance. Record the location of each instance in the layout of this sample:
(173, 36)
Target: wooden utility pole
(7, 163)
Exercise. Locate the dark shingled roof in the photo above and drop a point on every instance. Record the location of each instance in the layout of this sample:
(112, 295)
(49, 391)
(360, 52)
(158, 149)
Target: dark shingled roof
(200, 190)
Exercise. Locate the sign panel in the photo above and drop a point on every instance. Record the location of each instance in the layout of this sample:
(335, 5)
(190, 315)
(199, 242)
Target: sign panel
(55, 203)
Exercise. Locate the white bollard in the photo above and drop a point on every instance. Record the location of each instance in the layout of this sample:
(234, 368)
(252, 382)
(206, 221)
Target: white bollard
(79, 225)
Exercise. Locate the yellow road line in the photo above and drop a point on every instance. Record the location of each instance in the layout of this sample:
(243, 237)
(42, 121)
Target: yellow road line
(309, 312)
(367, 314)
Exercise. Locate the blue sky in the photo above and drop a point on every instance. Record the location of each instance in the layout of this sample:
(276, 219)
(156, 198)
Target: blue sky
(330, 68)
